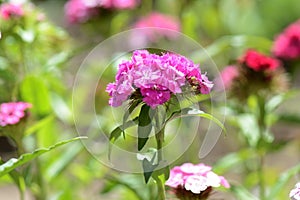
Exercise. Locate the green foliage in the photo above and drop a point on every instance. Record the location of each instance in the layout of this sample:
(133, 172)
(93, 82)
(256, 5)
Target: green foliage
(13, 163)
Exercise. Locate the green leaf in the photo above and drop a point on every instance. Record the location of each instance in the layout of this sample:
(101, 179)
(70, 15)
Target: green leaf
(249, 127)
(275, 101)
(13, 163)
(63, 161)
(148, 169)
(131, 108)
(163, 169)
(242, 193)
(114, 182)
(116, 133)
(144, 125)
(40, 124)
(282, 181)
(34, 90)
(233, 159)
(200, 113)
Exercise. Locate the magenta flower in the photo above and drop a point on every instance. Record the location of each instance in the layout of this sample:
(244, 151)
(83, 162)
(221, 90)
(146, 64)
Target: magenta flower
(287, 44)
(12, 112)
(166, 25)
(154, 79)
(194, 181)
(295, 193)
(9, 10)
(259, 62)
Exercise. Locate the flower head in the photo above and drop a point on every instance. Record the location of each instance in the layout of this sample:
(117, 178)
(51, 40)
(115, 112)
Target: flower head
(154, 78)
(194, 181)
(295, 193)
(10, 10)
(254, 73)
(259, 62)
(12, 112)
(287, 44)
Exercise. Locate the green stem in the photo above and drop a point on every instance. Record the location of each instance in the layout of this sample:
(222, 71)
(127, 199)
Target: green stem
(261, 152)
(261, 176)
(160, 184)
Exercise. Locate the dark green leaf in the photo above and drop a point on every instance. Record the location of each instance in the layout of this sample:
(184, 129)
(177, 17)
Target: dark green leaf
(13, 163)
(162, 169)
(116, 133)
(144, 125)
(148, 169)
(131, 108)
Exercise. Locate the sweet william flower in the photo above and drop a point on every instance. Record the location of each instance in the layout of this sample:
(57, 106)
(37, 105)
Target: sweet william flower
(259, 62)
(10, 10)
(194, 181)
(287, 44)
(155, 78)
(12, 112)
(295, 193)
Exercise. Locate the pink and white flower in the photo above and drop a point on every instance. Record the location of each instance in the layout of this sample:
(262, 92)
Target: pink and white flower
(295, 193)
(196, 178)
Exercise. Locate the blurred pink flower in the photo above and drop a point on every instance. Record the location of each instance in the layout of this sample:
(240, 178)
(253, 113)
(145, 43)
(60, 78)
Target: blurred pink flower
(163, 25)
(295, 193)
(79, 11)
(119, 4)
(155, 78)
(194, 178)
(9, 10)
(259, 62)
(287, 44)
(228, 74)
(12, 112)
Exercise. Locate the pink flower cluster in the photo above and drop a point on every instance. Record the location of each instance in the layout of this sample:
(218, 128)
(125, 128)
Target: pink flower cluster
(12, 112)
(195, 178)
(287, 44)
(155, 78)
(295, 193)
(165, 26)
(10, 10)
(79, 11)
(259, 62)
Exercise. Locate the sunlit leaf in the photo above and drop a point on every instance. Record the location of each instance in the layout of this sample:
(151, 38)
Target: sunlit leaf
(13, 163)
(34, 91)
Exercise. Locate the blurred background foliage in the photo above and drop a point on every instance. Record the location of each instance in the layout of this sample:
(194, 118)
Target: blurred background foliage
(38, 62)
